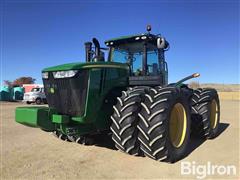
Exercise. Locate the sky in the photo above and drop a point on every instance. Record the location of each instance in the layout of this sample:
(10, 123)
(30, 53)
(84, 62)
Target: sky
(203, 35)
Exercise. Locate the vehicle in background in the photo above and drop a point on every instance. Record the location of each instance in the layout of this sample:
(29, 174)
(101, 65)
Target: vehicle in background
(36, 95)
(28, 87)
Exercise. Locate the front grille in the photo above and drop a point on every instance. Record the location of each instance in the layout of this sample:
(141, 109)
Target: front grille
(67, 95)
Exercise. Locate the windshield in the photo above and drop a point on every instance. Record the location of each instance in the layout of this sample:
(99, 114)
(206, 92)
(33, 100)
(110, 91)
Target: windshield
(35, 89)
(133, 56)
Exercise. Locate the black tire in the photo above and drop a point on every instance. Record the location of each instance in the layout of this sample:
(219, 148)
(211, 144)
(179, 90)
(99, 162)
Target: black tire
(125, 120)
(28, 102)
(154, 124)
(84, 140)
(202, 111)
(60, 135)
(38, 101)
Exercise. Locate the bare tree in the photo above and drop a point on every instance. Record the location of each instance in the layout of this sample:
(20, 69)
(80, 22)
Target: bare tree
(8, 83)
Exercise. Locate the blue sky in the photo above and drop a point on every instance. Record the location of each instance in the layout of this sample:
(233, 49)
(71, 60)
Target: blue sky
(203, 35)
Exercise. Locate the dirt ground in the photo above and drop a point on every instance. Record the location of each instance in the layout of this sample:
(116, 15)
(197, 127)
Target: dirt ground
(28, 153)
(229, 95)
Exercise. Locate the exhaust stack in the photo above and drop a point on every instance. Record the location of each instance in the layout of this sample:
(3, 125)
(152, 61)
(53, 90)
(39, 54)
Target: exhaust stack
(99, 56)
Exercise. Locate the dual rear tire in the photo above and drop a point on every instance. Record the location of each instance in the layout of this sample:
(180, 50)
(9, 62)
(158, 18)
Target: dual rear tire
(205, 113)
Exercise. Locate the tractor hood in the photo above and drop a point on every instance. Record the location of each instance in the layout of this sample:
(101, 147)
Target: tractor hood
(77, 66)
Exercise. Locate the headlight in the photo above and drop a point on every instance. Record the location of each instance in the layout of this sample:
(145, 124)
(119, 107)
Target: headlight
(45, 75)
(65, 74)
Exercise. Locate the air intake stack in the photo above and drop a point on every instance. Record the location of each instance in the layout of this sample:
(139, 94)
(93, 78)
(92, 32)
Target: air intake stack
(88, 50)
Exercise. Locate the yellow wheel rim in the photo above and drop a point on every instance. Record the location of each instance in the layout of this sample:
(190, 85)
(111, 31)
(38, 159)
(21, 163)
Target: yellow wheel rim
(178, 125)
(213, 114)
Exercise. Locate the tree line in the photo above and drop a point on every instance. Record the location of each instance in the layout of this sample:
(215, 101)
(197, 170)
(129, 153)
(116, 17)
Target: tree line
(19, 81)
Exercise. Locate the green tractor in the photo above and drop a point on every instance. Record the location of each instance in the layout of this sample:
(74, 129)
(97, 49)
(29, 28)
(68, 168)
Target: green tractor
(128, 95)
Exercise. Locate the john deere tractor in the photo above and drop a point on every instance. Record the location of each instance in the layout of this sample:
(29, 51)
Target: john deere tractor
(128, 95)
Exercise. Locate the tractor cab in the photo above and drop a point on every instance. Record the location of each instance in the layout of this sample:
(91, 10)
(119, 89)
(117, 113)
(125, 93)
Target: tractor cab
(144, 53)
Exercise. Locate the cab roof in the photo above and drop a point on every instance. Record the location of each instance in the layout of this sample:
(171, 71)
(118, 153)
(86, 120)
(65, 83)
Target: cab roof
(132, 38)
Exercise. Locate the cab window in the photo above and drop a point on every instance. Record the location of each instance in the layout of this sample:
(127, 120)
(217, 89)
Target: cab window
(118, 55)
(152, 63)
(35, 89)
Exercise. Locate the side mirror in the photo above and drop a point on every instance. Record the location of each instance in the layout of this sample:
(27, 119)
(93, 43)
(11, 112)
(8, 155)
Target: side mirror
(161, 43)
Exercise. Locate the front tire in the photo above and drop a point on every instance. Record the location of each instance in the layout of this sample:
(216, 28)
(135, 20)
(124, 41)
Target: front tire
(125, 120)
(165, 124)
(60, 135)
(38, 101)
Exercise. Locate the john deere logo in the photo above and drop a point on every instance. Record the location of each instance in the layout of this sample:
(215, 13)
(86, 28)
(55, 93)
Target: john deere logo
(52, 90)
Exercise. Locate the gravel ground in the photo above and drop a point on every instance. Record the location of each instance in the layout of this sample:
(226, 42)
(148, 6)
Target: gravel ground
(29, 153)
